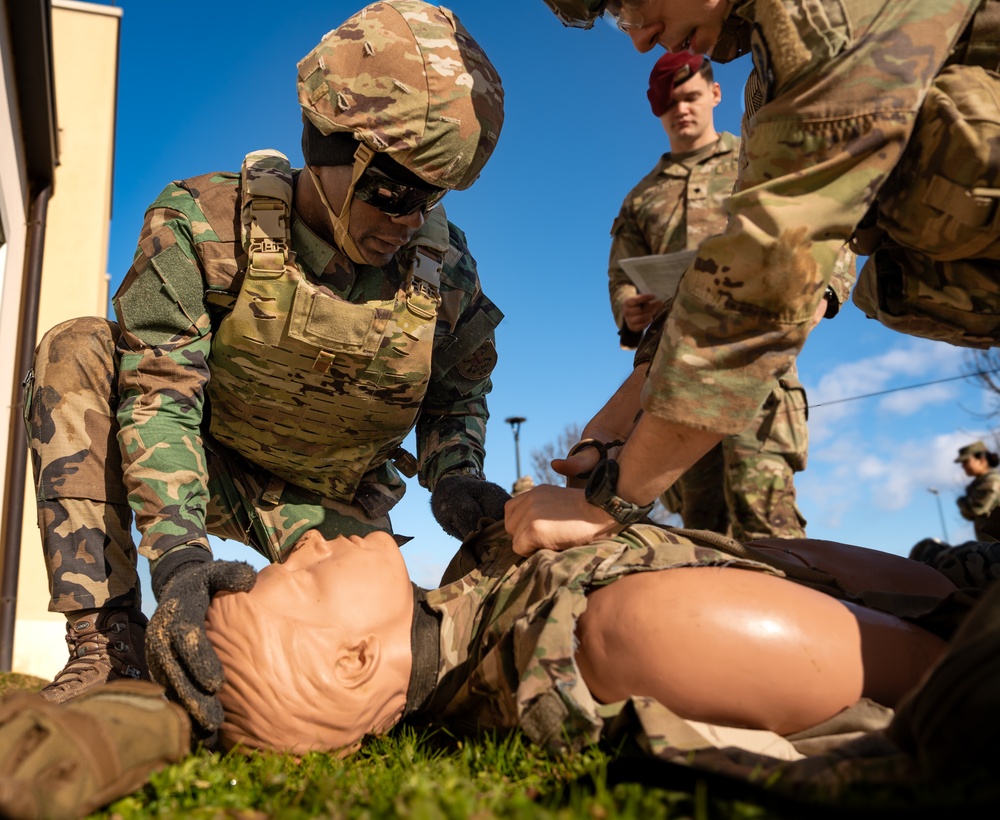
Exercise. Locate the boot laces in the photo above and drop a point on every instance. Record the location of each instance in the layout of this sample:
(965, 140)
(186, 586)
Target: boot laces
(91, 648)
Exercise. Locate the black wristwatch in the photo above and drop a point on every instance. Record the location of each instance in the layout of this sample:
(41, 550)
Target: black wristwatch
(600, 491)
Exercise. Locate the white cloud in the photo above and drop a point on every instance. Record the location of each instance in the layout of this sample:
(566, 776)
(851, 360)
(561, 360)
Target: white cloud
(919, 358)
(908, 402)
(837, 396)
(890, 474)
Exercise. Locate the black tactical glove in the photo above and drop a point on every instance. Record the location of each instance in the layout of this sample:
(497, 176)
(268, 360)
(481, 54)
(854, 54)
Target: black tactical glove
(179, 654)
(460, 501)
(488, 544)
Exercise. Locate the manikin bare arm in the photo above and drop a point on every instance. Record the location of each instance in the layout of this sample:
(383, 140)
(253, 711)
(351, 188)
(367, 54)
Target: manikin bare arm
(739, 648)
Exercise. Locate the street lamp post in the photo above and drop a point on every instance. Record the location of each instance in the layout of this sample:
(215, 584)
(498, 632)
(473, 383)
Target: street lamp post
(937, 495)
(515, 423)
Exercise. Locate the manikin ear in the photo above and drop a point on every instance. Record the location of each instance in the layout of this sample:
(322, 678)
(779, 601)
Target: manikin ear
(356, 664)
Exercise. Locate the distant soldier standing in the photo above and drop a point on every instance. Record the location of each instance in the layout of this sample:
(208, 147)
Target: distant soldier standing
(982, 495)
(279, 334)
(745, 484)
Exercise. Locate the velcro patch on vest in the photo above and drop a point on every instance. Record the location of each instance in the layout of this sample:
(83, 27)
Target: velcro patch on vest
(480, 363)
(787, 53)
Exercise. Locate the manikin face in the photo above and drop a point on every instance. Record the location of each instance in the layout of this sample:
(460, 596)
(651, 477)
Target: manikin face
(317, 654)
(377, 235)
(676, 25)
(688, 122)
(343, 581)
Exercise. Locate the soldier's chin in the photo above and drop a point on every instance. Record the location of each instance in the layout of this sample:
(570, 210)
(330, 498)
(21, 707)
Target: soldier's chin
(377, 252)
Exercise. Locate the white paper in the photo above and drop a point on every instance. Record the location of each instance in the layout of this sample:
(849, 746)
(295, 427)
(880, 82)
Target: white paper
(659, 274)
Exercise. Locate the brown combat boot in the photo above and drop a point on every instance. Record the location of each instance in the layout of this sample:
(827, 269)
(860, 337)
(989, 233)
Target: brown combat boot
(104, 645)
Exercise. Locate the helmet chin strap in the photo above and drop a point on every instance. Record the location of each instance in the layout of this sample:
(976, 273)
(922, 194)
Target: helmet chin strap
(341, 222)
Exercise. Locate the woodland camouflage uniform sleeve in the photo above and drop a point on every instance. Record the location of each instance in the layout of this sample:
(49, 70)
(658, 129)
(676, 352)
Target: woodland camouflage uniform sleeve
(451, 429)
(163, 370)
(841, 90)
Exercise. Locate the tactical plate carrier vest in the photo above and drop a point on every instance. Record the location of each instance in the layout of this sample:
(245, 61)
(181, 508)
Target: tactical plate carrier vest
(317, 390)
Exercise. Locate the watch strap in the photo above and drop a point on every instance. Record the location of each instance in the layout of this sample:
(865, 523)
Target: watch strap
(602, 491)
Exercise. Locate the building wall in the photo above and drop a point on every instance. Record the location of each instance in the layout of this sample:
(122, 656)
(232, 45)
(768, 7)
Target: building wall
(74, 273)
(13, 195)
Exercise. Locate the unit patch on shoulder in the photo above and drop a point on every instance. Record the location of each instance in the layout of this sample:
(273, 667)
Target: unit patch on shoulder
(480, 363)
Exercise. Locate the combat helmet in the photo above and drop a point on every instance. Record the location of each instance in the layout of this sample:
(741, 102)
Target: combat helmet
(407, 79)
(577, 13)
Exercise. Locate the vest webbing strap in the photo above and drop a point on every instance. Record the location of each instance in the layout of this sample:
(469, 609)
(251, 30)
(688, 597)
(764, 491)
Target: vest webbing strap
(466, 342)
(266, 211)
(982, 48)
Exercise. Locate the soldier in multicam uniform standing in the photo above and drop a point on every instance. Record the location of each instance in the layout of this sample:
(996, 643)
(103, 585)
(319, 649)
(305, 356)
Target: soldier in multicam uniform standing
(974, 563)
(865, 120)
(279, 334)
(745, 484)
(681, 201)
(982, 495)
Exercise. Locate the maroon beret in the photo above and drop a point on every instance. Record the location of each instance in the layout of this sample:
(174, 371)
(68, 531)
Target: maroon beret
(670, 70)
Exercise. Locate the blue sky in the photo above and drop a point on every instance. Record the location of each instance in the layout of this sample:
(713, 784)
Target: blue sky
(201, 84)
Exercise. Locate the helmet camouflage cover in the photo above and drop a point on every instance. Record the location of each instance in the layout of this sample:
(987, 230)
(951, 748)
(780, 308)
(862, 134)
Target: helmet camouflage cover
(406, 78)
(577, 13)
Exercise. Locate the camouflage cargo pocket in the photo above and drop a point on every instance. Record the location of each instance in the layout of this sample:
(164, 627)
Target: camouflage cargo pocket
(932, 270)
(943, 198)
(954, 302)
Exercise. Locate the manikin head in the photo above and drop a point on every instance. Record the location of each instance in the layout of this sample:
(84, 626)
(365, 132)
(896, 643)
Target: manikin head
(317, 654)
(399, 105)
(683, 94)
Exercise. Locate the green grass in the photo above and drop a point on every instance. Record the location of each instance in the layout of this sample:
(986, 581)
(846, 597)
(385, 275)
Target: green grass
(15, 680)
(433, 775)
(410, 774)
(423, 775)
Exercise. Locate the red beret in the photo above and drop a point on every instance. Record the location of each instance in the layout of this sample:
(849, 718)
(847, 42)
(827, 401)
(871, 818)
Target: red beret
(670, 70)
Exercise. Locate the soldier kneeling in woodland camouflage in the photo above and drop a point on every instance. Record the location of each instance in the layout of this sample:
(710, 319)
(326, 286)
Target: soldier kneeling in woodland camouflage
(279, 334)
(779, 665)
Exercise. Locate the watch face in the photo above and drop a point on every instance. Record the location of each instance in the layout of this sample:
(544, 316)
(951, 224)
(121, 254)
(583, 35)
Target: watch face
(601, 492)
(602, 483)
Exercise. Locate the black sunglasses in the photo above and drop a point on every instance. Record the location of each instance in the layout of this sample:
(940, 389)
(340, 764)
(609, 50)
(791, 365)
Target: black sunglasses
(394, 198)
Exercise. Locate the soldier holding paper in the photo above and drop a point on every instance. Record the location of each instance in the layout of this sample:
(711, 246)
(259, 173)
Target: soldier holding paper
(744, 485)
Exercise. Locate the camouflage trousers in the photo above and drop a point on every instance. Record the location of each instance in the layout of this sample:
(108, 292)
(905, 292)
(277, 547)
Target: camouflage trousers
(699, 496)
(744, 486)
(84, 516)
